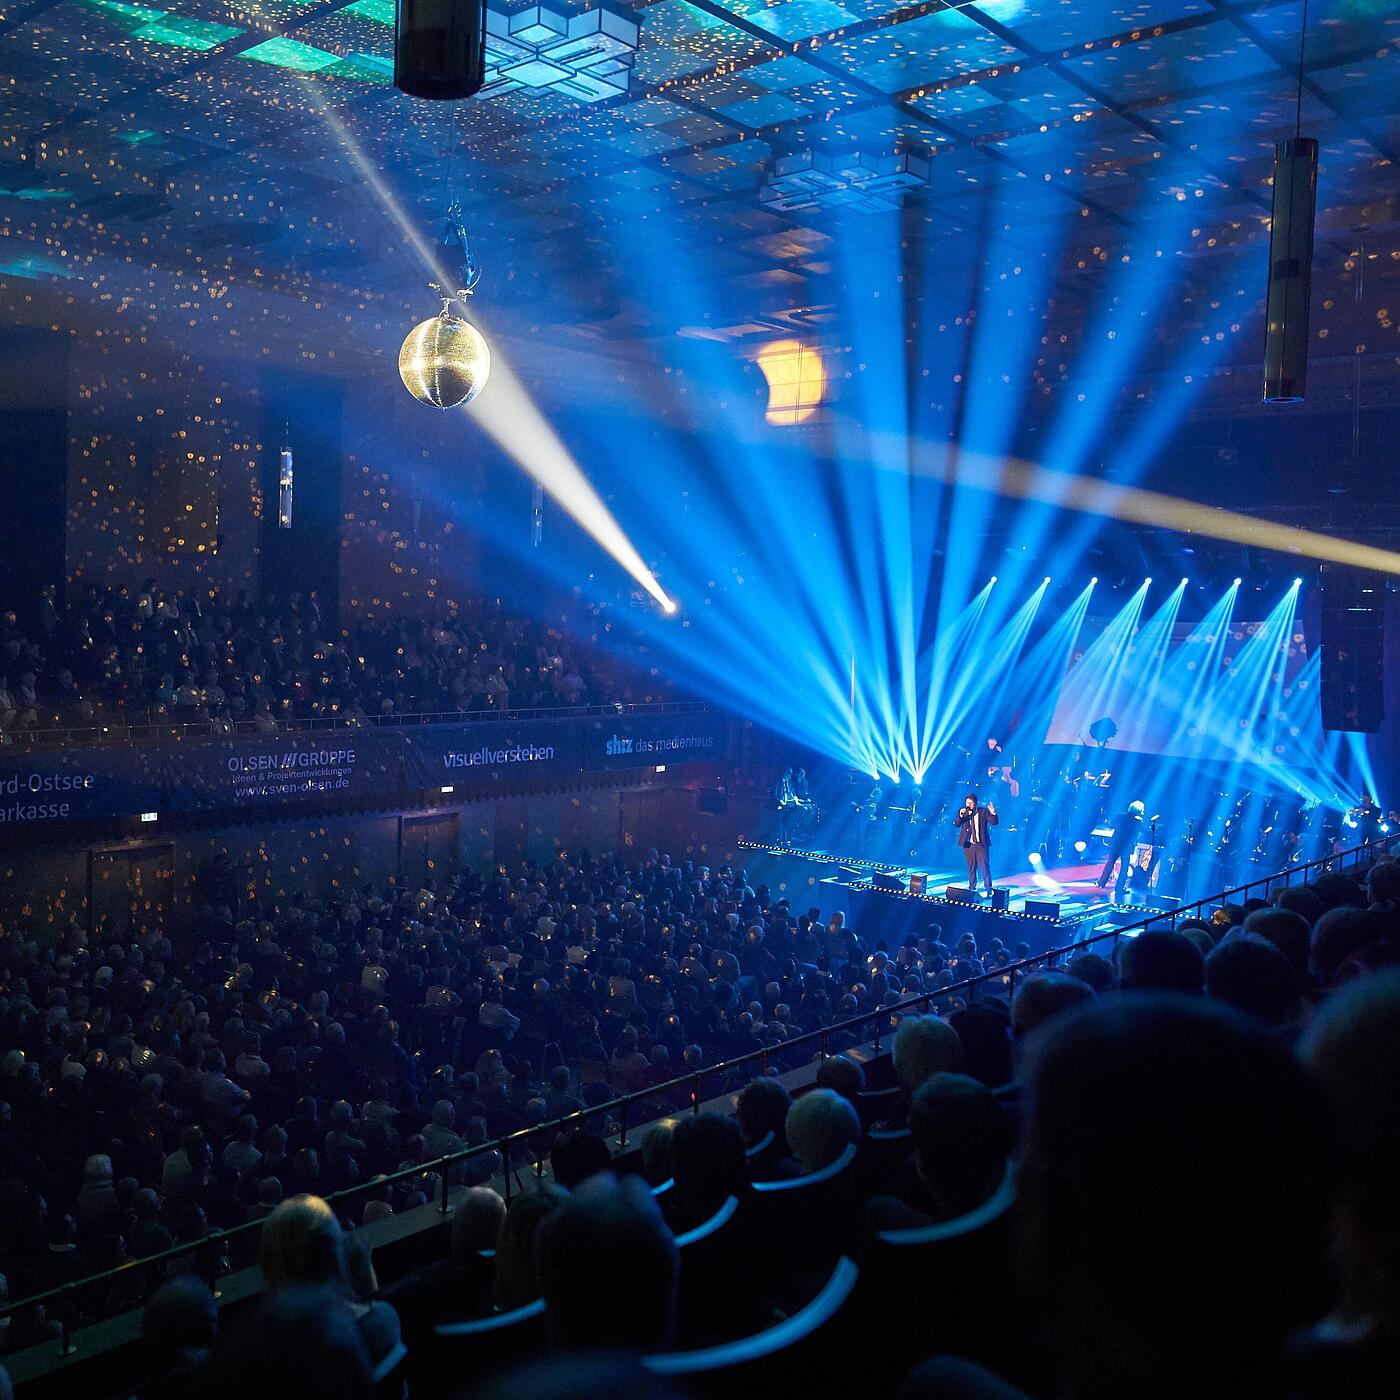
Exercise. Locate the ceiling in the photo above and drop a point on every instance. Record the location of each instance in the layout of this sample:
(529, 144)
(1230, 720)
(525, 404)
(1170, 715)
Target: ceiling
(243, 159)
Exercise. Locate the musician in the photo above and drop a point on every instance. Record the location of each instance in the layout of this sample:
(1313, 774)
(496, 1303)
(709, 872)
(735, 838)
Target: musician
(783, 800)
(1367, 819)
(974, 823)
(1127, 831)
(800, 787)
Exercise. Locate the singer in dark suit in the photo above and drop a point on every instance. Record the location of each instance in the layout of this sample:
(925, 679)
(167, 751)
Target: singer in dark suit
(974, 823)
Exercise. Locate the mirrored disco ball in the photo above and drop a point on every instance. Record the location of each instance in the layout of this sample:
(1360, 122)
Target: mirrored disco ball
(444, 361)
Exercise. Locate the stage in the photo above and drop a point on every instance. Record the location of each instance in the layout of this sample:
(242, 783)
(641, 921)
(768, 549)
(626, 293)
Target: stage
(1065, 903)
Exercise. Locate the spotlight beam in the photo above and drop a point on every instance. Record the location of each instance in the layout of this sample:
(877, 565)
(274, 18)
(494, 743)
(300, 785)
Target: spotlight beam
(508, 414)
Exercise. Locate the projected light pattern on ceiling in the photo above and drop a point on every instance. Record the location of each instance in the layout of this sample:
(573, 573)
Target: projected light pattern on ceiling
(865, 183)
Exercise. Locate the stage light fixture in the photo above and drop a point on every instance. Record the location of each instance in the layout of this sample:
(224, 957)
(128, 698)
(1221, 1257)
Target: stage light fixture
(1297, 583)
(1184, 582)
(993, 579)
(1047, 578)
(1093, 580)
(1237, 583)
(440, 49)
(1080, 847)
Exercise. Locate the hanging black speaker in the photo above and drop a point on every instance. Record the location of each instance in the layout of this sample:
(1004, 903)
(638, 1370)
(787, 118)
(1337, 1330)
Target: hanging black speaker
(440, 48)
(1290, 270)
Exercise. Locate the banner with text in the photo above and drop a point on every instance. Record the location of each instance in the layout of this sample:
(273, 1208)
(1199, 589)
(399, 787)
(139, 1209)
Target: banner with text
(442, 755)
(636, 741)
(73, 785)
(283, 768)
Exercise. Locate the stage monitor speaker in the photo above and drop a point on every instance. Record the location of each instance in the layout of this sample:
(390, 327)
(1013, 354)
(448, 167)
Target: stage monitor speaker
(918, 882)
(1353, 649)
(1042, 908)
(440, 48)
(960, 894)
(1001, 898)
(887, 880)
(1167, 902)
(1290, 271)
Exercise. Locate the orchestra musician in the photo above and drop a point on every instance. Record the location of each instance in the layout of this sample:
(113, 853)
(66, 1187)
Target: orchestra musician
(1126, 832)
(974, 823)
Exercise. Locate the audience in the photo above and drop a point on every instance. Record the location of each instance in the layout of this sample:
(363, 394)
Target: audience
(1185, 1184)
(109, 658)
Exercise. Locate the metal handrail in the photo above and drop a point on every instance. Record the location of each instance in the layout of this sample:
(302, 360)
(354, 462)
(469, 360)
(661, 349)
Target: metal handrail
(693, 1081)
(158, 731)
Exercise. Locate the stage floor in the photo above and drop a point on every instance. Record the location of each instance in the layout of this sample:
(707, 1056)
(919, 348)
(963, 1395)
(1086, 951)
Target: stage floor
(1077, 883)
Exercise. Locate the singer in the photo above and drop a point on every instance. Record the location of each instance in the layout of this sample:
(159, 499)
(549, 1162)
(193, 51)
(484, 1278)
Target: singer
(974, 823)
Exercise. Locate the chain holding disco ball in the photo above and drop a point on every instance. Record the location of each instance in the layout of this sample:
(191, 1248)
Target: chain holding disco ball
(444, 361)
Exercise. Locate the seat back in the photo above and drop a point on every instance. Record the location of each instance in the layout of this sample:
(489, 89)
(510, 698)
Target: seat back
(948, 1287)
(462, 1351)
(717, 1298)
(879, 1105)
(794, 1357)
(804, 1219)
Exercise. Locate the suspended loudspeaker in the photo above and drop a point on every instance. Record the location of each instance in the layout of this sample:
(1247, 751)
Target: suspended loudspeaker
(1290, 271)
(1353, 649)
(440, 47)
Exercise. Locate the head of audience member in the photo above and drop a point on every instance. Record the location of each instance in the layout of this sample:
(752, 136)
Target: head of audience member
(762, 1108)
(578, 1155)
(1341, 933)
(301, 1341)
(615, 1220)
(1383, 883)
(1288, 931)
(1300, 900)
(820, 1126)
(178, 1326)
(1042, 997)
(843, 1074)
(1354, 1048)
(302, 1243)
(1251, 974)
(710, 1162)
(516, 1282)
(924, 1046)
(477, 1220)
(962, 1140)
(1093, 969)
(1133, 1105)
(985, 1034)
(659, 1151)
(1161, 960)
(1338, 889)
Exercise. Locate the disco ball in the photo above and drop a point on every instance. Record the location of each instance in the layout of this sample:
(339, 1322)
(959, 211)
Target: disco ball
(444, 361)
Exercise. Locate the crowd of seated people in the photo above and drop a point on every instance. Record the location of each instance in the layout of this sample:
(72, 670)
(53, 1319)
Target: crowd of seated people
(1178, 1179)
(155, 1088)
(126, 656)
(1203, 1127)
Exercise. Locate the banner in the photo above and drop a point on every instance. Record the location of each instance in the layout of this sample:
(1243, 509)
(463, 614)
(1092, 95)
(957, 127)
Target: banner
(442, 755)
(72, 785)
(637, 741)
(224, 773)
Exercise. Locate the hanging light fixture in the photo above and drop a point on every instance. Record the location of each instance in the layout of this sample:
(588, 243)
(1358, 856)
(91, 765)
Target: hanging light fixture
(445, 361)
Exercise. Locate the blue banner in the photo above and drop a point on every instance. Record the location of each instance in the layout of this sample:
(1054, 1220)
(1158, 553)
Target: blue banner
(224, 773)
(442, 755)
(363, 764)
(73, 785)
(637, 741)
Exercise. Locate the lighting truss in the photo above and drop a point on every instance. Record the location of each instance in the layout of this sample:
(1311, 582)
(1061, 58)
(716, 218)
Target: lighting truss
(587, 56)
(856, 180)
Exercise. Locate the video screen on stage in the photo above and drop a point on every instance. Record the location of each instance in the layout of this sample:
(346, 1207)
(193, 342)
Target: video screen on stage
(1191, 690)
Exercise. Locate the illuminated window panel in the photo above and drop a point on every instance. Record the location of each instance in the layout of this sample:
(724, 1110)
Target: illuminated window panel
(162, 27)
(796, 381)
